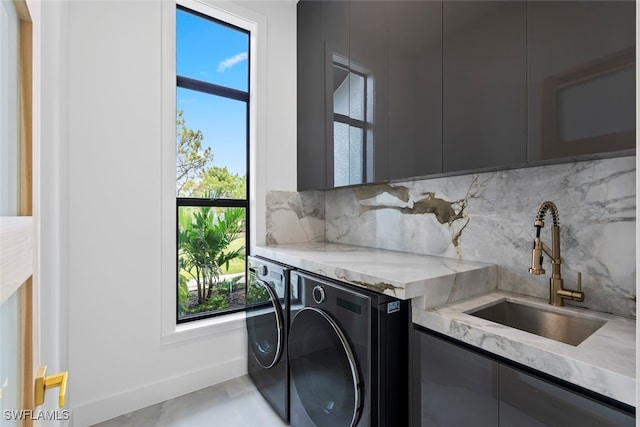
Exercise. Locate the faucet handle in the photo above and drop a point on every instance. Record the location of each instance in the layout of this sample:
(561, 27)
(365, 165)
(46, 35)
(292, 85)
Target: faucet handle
(575, 295)
(579, 281)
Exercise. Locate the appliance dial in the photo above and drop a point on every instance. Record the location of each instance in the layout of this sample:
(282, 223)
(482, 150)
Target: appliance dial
(318, 294)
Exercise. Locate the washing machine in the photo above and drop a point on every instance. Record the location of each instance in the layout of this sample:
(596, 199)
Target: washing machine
(348, 355)
(267, 310)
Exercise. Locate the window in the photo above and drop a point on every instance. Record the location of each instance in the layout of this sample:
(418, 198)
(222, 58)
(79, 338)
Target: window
(9, 110)
(212, 136)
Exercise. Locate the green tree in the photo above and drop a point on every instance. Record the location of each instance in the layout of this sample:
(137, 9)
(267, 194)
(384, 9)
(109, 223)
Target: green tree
(195, 175)
(191, 159)
(204, 237)
(220, 182)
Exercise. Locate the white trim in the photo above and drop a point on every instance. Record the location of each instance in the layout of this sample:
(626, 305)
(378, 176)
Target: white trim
(220, 12)
(235, 15)
(220, 325)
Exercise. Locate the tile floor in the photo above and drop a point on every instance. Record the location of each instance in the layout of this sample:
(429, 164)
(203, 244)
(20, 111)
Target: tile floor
(235, 403)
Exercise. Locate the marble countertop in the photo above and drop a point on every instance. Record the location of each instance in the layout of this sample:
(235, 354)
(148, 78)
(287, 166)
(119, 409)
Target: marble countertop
(604, 362)
(443, 290)
(433, 280)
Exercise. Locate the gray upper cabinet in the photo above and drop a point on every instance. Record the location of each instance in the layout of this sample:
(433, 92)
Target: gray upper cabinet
(484, 84)
(342, 93)
(361, 133)
(312, 148)
(415, 88)
(581, 77)
(391, 90)
(338, 92)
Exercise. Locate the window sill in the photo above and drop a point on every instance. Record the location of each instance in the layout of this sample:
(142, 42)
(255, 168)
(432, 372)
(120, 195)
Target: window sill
(205, 327)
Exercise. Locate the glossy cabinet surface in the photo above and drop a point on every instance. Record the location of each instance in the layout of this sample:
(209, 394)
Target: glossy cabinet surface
(415, 88)
(457, 386)
(337, 96)
(391, 90)
(581, 77)
(484, 84)
(368, 58)
(312, 147)
(527, 401)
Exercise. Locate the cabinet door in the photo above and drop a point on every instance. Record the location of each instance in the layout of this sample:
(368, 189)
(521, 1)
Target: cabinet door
(526, 401)
(359, 119)
(457, 386)
(581, 77)
(484, 84)
(311, 97)
(415, 88)
(338, 93)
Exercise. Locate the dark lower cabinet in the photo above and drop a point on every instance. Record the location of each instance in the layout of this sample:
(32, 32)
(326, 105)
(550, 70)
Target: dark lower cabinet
(526, 401)
(456, 386)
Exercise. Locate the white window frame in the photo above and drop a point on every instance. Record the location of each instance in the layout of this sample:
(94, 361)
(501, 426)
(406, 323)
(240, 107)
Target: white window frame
(234, 14)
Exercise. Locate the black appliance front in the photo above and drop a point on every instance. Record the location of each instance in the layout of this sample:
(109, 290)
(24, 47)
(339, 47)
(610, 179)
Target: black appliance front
(348, 355)
(267, 301)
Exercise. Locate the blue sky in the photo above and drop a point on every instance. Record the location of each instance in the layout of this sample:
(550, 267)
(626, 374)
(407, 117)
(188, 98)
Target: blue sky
(216, 54)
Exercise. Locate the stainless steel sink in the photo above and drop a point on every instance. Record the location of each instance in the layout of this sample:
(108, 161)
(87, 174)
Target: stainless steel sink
(562, 327)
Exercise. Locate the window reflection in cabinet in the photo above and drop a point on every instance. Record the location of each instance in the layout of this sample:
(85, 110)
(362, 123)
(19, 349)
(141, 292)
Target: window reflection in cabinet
(350, 123)
(581, 77)
(368, 67)
(337, 92)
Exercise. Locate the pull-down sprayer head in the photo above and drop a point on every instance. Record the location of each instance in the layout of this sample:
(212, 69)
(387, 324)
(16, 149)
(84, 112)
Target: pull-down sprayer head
(538, 246)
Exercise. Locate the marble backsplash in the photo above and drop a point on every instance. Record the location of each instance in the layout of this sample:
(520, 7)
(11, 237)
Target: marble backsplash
(488, 217)
(295, 217)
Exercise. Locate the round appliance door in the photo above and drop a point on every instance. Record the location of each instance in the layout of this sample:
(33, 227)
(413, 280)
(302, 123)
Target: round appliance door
(324, 369)
(265, 322)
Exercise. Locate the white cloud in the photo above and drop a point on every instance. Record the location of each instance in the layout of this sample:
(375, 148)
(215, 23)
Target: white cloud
(230, 62)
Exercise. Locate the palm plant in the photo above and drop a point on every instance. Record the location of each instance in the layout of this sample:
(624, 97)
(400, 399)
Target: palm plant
(204, 237)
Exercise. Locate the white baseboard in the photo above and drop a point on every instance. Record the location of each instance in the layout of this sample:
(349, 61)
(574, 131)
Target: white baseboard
(87, 414)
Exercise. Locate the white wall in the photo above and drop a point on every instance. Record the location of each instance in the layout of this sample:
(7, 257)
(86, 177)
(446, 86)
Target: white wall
(102, 179)
(50, 187)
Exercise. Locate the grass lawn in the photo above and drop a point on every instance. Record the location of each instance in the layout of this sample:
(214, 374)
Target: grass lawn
(237, 265)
